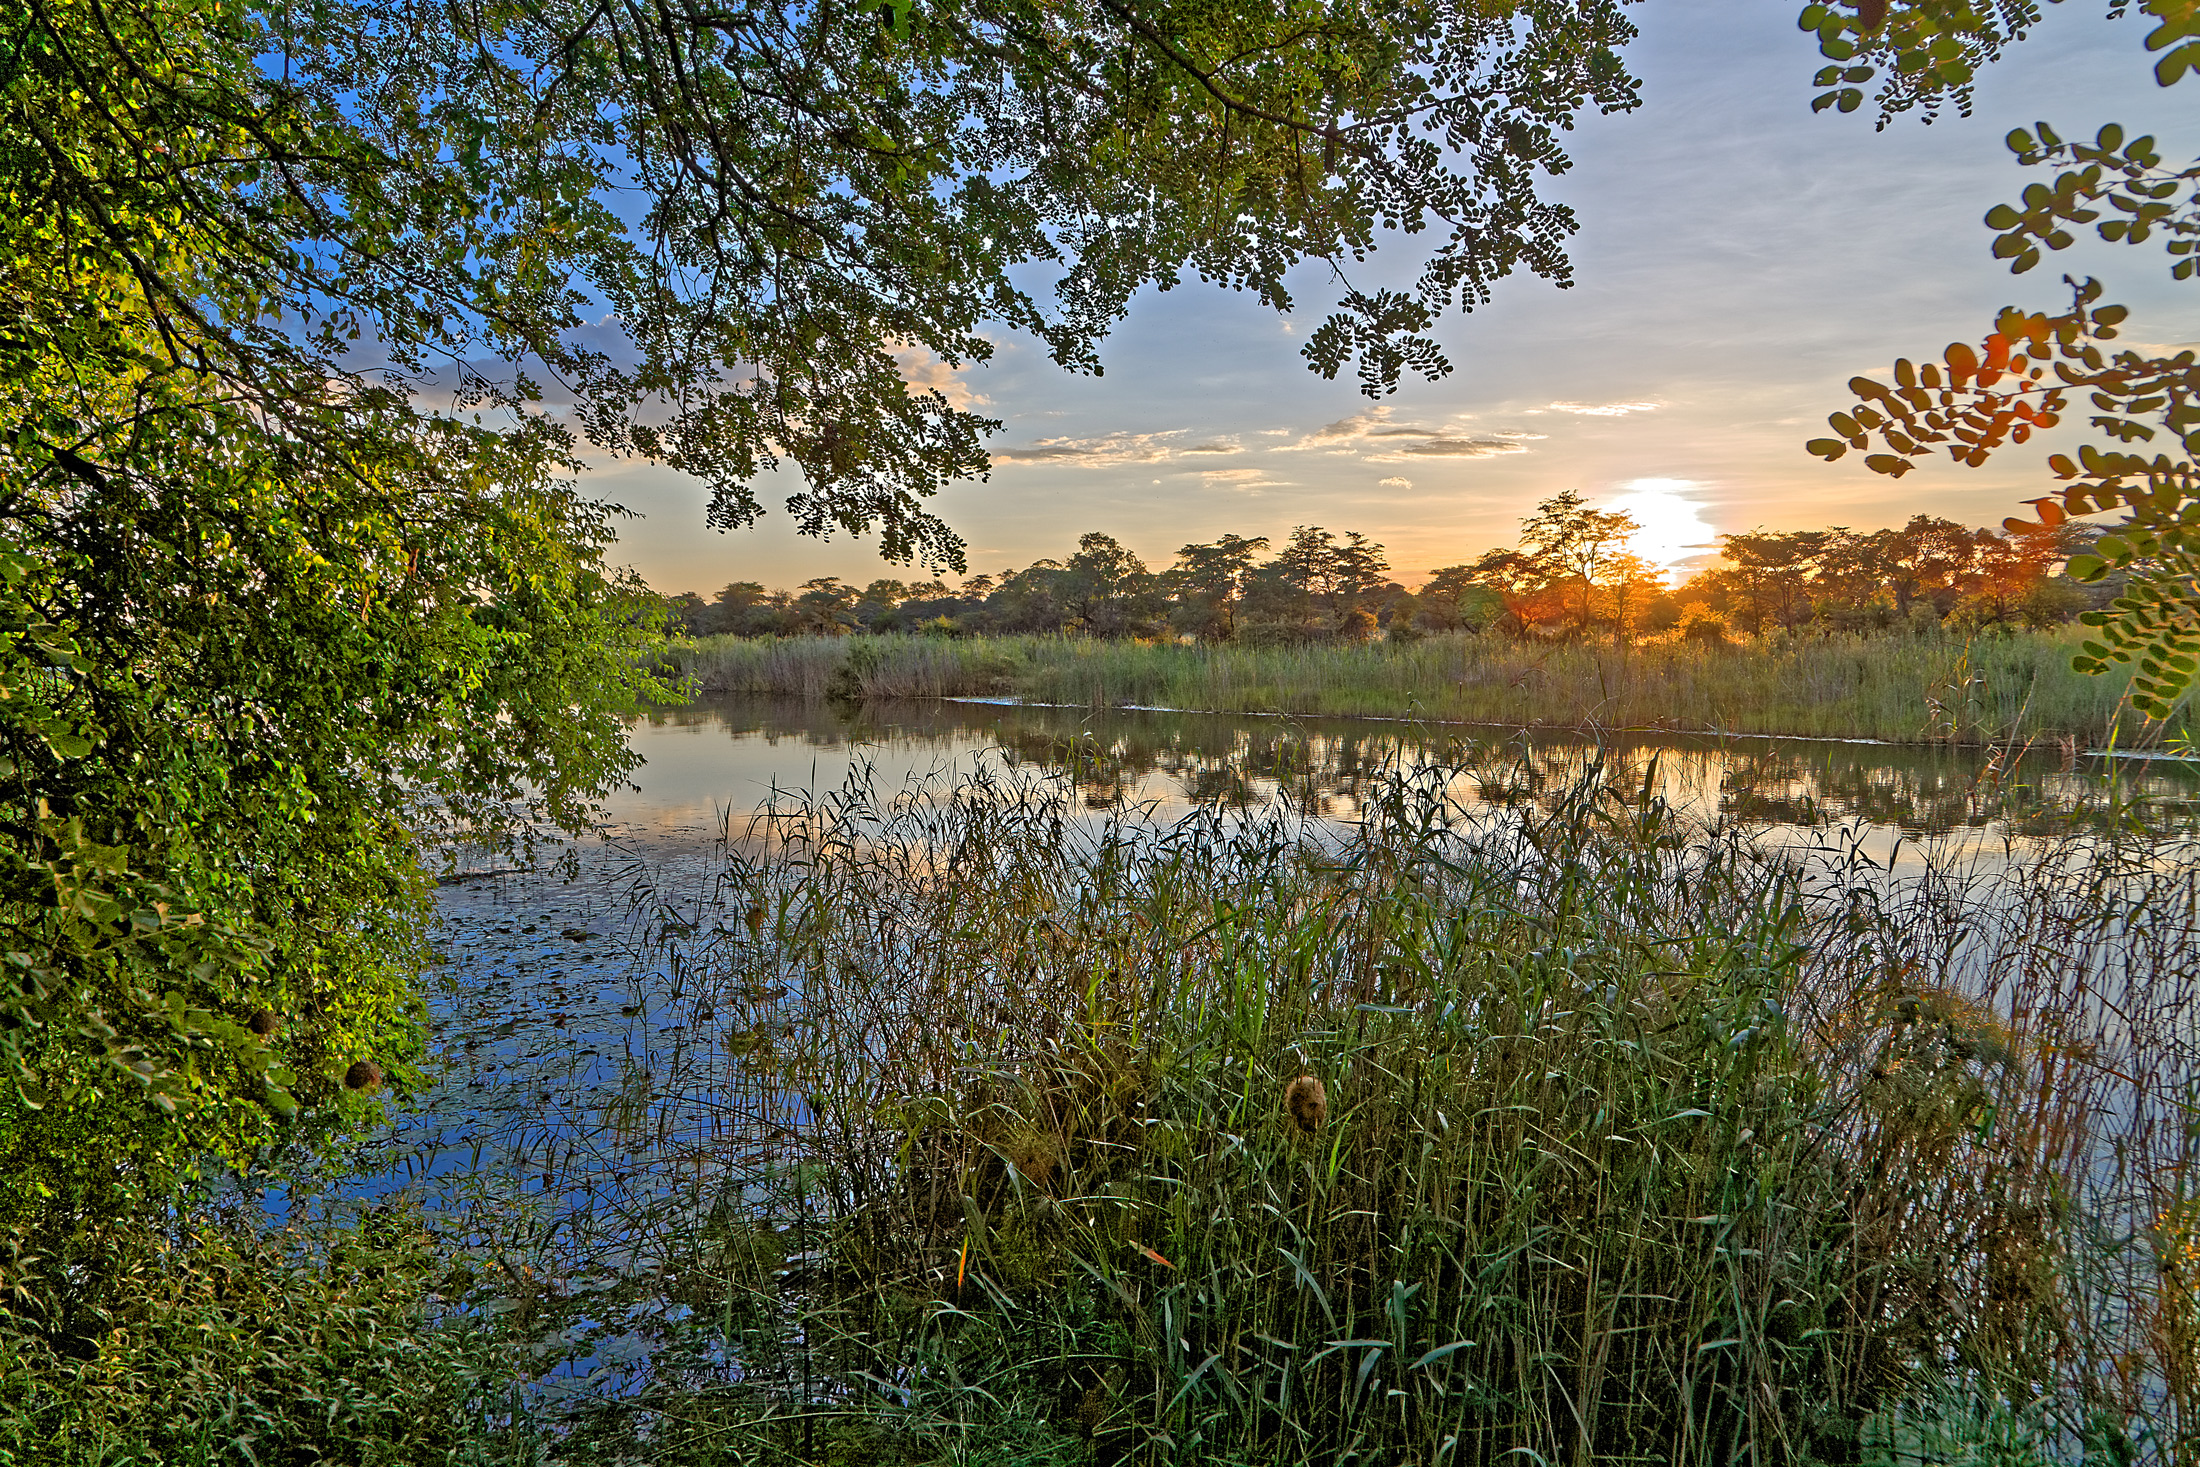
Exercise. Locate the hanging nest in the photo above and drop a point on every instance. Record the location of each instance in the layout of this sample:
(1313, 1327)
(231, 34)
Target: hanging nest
(364, 1075)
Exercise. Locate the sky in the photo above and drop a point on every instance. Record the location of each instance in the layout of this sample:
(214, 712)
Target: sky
(1738, 260)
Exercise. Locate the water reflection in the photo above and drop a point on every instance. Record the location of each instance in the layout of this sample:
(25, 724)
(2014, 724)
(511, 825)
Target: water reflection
(724, 756)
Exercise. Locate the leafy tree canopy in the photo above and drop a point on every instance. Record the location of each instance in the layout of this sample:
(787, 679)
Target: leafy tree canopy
(266, 626)
(1972, 401)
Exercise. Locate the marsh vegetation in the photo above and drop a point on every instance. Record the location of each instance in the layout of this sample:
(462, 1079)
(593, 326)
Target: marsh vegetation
(1935, 687)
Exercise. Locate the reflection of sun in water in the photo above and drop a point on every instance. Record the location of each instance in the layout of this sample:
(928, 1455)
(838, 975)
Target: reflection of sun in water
(1673, 528)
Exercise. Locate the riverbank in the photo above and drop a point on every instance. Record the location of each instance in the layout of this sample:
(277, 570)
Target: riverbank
(1898, 690)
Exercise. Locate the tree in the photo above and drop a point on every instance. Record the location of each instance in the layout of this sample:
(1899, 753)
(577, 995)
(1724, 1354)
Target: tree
(1565, 545)
(1626, 584)
(1454, 599)
(1974, 400)
(268, 630)
(825, 608)
(823, 187)
(1357, 572)
(1211, 577)
(1773, 574)
(1102, 584)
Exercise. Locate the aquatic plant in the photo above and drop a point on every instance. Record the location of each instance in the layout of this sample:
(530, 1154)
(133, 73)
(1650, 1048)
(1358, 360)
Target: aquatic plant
(1640, 1139)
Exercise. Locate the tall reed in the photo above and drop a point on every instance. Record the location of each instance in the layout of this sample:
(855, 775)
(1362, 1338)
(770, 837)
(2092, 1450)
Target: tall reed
(1901, 689)
(1640, 1143)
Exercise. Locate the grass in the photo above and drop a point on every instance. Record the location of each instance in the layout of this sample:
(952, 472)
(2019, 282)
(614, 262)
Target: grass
(1640, 1144)
(963, 1131)
(1900, 689)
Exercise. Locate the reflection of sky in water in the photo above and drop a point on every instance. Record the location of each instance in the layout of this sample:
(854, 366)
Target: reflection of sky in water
(724, 757)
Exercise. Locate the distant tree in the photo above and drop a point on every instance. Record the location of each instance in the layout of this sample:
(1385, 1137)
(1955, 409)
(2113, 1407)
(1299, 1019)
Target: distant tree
(688, 613)
(1455, 599)
(1927, 557)
(1105, 590)
(1625, 587)
(1027, 600)
(1208, 580)
(825, 607)
(1773, 575)
(877, 605)
(1358, 572)
(1305, 565)
(1564, 546)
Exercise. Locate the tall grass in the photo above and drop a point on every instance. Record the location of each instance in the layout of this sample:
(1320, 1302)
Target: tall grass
(1638, 1144)
(1901, 689)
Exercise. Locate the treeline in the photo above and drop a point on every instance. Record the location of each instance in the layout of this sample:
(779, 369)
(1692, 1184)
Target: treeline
(1570, 577)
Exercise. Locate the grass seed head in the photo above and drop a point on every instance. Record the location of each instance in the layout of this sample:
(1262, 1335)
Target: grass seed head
(1308, 1103)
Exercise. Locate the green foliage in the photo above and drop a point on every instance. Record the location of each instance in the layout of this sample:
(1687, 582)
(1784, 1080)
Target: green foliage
(231, 1347)
(1926, 53)
(826, 187)
(266, 627)
(1973, 401)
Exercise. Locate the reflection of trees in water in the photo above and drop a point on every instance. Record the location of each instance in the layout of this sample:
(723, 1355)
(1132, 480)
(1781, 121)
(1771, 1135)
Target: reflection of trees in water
(1327, 767)
(1929, 791)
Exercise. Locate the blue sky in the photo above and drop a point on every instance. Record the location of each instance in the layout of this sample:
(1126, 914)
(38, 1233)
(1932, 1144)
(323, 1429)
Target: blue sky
(1739, 259)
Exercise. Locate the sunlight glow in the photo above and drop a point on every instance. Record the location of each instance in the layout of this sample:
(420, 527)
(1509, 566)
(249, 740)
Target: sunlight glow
(1673, 528)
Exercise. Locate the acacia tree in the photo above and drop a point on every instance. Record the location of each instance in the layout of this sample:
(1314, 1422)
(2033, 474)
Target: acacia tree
(1211, 577)
(1102, 586)
(264, 620)
(1566, 546)
(1974, 400)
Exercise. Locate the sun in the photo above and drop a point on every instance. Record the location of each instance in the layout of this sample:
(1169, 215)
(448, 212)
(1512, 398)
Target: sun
(1673, 528)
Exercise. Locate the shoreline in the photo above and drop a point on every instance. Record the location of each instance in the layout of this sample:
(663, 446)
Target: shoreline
(1638, 730)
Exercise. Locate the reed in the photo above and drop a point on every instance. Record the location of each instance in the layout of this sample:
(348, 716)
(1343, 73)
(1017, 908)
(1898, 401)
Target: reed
(1566, 1134)
(1938, 688)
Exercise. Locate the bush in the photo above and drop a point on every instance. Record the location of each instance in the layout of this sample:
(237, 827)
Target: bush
(233, 1345)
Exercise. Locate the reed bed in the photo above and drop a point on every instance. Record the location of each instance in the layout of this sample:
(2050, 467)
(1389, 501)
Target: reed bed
(1900, 689)
(1564, 1133)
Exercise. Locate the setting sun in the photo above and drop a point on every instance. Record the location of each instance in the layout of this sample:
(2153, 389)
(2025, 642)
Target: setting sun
(1673, 529)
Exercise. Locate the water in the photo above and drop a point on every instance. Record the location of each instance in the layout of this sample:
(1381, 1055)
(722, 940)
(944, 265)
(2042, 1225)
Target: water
(569, 1039)
(723, 757)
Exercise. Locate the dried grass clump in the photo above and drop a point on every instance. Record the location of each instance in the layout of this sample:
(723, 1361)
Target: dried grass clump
(1306, 1103)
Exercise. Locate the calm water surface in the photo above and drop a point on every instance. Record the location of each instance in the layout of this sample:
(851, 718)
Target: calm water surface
(722, 758)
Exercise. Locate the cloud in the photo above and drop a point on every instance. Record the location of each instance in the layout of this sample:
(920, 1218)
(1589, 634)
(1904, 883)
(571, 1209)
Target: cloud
(1395, 442)
(1350, 430)
(1101, 452)
(925, 372)
(1445, 447)
(1220, 445)
(1242, 479)
(1597, 409)
(1394, 482)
